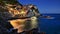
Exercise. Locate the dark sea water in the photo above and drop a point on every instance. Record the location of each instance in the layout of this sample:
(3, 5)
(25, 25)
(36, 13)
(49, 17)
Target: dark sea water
(50, 26)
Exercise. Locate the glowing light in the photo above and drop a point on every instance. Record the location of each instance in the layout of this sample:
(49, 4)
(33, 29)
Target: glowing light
(22, 12)
(18, 24)
(34, 22)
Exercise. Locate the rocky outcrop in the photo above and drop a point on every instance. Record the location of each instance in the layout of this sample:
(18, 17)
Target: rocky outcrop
(12, 9)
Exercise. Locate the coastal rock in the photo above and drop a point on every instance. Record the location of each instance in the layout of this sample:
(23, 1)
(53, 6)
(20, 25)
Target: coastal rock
(12, 9)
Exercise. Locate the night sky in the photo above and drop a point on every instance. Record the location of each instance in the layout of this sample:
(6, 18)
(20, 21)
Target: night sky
(44, 6)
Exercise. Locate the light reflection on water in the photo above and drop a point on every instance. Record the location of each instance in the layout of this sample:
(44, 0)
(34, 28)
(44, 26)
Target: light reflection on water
(22, 25)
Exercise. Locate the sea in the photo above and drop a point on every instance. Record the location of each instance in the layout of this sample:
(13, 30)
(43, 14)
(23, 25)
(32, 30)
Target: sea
(50, 26)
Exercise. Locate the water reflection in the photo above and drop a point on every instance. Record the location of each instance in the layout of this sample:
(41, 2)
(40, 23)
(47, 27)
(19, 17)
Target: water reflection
(24, 24)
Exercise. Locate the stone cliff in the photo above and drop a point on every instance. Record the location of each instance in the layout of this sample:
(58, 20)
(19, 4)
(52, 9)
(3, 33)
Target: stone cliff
(13, 9)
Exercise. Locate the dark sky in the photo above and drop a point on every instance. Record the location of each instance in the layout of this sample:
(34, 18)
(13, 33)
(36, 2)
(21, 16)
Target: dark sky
(44, 6)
